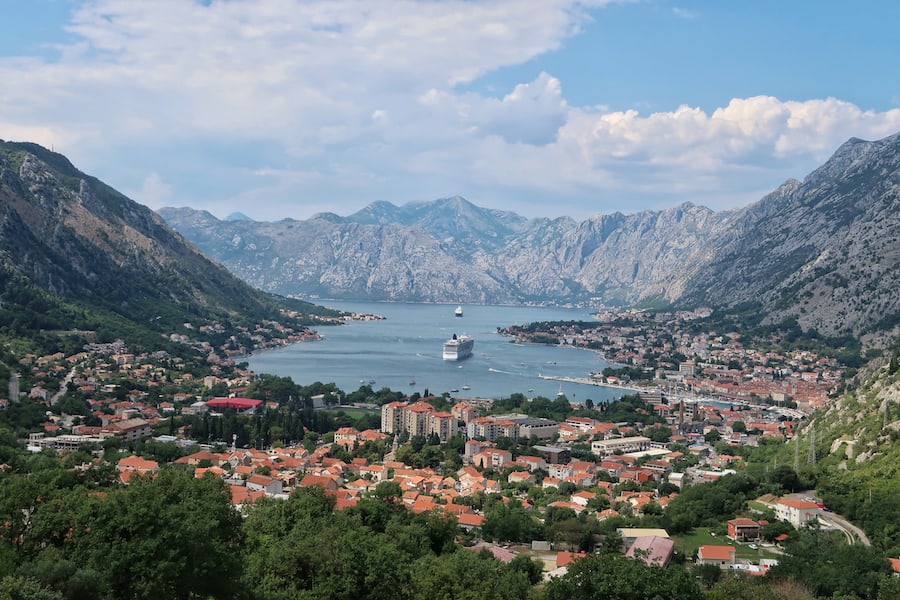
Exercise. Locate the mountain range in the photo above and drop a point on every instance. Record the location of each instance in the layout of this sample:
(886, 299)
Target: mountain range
(823, 251)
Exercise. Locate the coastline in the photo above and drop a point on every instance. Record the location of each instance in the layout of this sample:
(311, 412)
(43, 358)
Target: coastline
(589, 381)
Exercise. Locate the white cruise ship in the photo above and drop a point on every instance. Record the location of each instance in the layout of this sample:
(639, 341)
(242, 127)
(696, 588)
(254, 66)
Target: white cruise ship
(458, 348)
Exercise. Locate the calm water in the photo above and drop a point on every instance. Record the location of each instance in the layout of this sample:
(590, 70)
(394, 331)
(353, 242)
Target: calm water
(406, 348)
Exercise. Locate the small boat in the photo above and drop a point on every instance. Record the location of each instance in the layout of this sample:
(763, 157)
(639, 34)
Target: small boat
(412, 382)
(454, 391)
(466, 387)
(458, 312)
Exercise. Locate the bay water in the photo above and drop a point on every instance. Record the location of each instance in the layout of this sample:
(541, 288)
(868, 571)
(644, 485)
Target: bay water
(403, 352)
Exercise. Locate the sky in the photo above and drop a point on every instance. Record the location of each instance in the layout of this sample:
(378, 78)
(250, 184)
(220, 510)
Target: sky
(288, 108)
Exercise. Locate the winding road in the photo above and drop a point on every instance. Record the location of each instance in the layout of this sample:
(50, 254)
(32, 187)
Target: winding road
(833, 520)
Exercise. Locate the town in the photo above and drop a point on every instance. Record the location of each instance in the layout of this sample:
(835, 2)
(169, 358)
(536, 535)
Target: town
(543, 477)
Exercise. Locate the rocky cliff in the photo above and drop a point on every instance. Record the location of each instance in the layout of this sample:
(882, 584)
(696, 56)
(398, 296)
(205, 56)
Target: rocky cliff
(453, 251)
(825, 251)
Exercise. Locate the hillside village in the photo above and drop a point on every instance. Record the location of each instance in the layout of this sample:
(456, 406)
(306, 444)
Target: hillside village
(668, 350)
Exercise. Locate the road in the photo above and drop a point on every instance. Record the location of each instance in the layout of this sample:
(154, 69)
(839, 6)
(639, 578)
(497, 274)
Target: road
(850, 530)
(63, 386)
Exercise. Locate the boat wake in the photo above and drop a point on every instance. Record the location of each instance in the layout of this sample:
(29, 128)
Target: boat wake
(493, 370)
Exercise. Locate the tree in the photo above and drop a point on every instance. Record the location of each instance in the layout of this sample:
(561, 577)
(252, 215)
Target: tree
(509, 522)
(22, 588)
(614, 577)
(467, 575)
(168, 536)
(533, 569)
(786, 478)
(388, 491)
(829, 566)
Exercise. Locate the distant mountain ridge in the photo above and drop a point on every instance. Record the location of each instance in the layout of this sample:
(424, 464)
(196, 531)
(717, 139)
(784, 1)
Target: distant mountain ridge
(824, 251)
(450, 250)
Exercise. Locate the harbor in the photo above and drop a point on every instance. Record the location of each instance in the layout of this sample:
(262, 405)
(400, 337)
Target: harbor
(407, 345)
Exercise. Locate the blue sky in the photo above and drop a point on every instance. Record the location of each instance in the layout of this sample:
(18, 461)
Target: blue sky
(286, 108)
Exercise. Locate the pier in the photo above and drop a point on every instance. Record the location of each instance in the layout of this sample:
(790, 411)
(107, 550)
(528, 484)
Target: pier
(589, 381)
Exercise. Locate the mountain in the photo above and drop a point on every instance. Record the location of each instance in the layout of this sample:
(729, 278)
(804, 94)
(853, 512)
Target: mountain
(450, 250)
(71, 244)
(852, 446)
(823, 251)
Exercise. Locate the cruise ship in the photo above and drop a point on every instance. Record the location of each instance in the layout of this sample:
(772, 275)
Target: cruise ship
(458, 348)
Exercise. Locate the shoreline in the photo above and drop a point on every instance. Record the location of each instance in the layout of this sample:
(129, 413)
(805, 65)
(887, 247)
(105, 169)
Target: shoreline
(589, 381)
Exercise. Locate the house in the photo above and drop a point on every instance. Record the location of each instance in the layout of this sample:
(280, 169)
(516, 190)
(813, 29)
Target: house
(129, 430)
(326, 483)
(796, 512)
(606, 514)
(241, 495)
(743, 529)
(521, 477)
(563, 559)
(264, 483)
(135, 464)
(469, 521)
(630, 535)
(500, 553)
(652, 550)
(582, 498)
(722, 556)
(492, 458)
(532, 463)
(550, 482)
(895, 566)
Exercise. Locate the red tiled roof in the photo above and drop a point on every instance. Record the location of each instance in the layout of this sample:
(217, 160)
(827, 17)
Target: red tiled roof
(236, 403)
(716, 552)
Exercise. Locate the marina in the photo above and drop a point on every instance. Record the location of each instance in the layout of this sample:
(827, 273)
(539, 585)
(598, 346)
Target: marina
(383, 353)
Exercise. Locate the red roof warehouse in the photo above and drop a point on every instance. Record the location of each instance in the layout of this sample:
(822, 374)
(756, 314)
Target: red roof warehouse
(241, 405)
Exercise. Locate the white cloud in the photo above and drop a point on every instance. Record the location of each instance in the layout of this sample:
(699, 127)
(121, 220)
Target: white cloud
(154, 192)
(684, 13)
(246, 104)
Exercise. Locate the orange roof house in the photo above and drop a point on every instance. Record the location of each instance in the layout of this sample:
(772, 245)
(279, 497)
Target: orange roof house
(469, 521)
(715, 555)
(565, 558)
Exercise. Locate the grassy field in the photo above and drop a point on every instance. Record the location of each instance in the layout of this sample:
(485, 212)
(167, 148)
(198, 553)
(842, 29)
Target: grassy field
(687, 544)
(756, 506)
(354, 412)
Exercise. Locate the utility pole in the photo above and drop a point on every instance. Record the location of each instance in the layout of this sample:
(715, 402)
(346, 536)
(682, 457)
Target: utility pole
(812, 445)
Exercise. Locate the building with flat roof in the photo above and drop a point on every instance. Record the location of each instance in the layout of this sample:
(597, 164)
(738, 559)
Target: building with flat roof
(636, 443)
(243, 406)
(553, 454)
